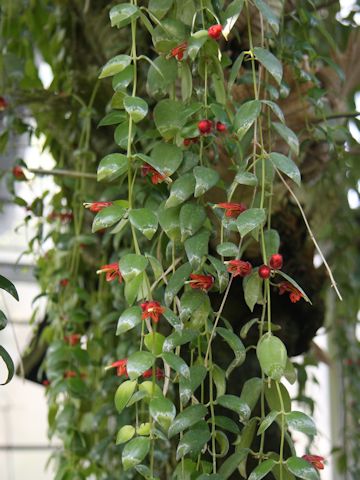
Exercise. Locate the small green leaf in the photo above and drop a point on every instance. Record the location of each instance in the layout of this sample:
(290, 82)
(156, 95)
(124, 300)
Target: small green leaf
(165, 158)
(235, 70)
(272, 397)
(197, 247)
(122, 80)
(154, 342)
(125, 434)
(191, 301)
(163, 411)
(122, 14)
(219, 378)
(144, 220)
(9, 287)
(192, 218)
(132, 265)
(246, 116)
(181, 190)
(138, 362)
(246, 178)
(289, 136)
(196, 41)
(227, 249)
(262, 470)
(135, 451)
(115, 65)
(301, 422)
(245, 329)
(268, 14)
(287, 166)
(186, 81)
(162, 73)
(250, 219)
(176, 339)
(169, 222)
(296, 285)
(221, 272)
(8, 362)
(128, 320)
(107, 217)
(301, 468)
(227, 424)
(252, 289)
(193, 441)
(232, 462)
(276, 109)
(251, 391)
(230, 16)
(112, 118)
(123, 394)
(136, 107)
(3, 320)
(290, 373)
(170, 116)
(272, 242)
(134, 289)
(272, 356)
(186, 419)
(176, 363)
(270, 62)
(236, 405)
(236, 345)
(112, 166)
(176, 282)
(205, 179)
(268, 420)
(160, 7)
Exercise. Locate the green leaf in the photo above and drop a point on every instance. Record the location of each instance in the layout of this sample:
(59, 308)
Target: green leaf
(3, 320)
(144, 220)
(134, 289)
(252, 289)
(176, 363)
(107, 217)
(245, 328)
(136, 107)
(272, 397)
(125, 434)
(235, 70)
(187, 418)
(251, 391)
(181, 190)
(287, 166)
(290, 373)
(236, 345)
(193, 442)
(160, 7)
(169, 222)
(176, 339)
(128, 320)
(268, 14)
(122, 14)
(122, 80)
(289, 136)
(186, 81)
(232, 462)
(154, 342)
(196, 41)
(301, 422)
(197, 247)
(187, 387)
(268, 420)
(163, 411)
(205, 179)
(170, 116)
(262, 470)
(112, 118)
(301, 468)
(221, 272)
(227, 249)
(135, 451)
(296, 285)
(162, 73)
(9, 287)
(219, 379)
(236, 405)
(191, 301)
(115, 65)
(230, 16)
(276, 109)
(270, 62)
(176, 282)
(132, 265)
(192, 218)
(8, 362)
(250, 219)
(246, 178)
(121, 135)
(246, 116)
(272, 242)
(272, 356)
(123, 394)
(138, 362)
(165, 158)
(112, 166)
(227, 424)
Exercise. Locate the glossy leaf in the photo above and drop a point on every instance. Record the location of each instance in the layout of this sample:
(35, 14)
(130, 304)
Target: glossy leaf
(272, 242)
(245, 329)
(219, 378)
(227, 424)
(262, 470)
(272, 356)
(193, 442)
(112, 166)
(289, 136)
(221, 272)
(165, 158)
(246, 178)
(197, 247)
(187, 418)
(161, 75)
(230, 16)
(9, 287)
(190, 302)
(296, 285)
(287, 166)
(250, 219)
(160, 7)
(115, 65)
(9, 364)
(236, 405)
(121, 135)
(154, 342)
(3, 320)
(272, 397)
(125, 434)
(144, 220)
(192, 218)
(163, 411)
(227, 249)
(196, 41)
(134, 289)
(301, 468)
(232, 462)
(122, 14)
(252, 290)
(176, 339)
(138, 362)
(268, 14)
(123, 394)
(290, 372)
(276, 109)
(132, 265)
(122, 80)
(136, 107)
(236, 345)
(251, 391)
(186, 81)
(135, 451)
(128, 320)
(268, 420)
(301, 422)
(205, 179)
(176, 363)
(112, 118)
(181, 190)
(246, 116)
(270, 62)
(177, 282)
(235, 70)
(170, 222)
(170, 116)
(107, 217)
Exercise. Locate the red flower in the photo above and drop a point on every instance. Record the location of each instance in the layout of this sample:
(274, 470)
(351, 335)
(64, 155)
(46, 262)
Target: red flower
(178, 52)
(96, 207)
(232, 209)
(152, 310)
(295, 294)
(316, 461)
(276, 261)
(112, 271)
(205, 126)
(70, 374)
(3, 104)
(159, 373)
(221, 127)
(189, 141)
(18, 173)
(120, 366)
(215, 31)
(156, 177)
(72, 339)
(202, 282)
(46, 383)
(63, 282)
(239, 268)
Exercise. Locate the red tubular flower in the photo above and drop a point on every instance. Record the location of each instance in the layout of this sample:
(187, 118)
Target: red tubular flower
(178, 52)
(152, 310)
(159, 373)
(156, 177)
(18, 173)
(316, 461)
(276, 261)
(72, 339)
(63, 282)
(120, 366)
(205, 126)
(232, 209)
(221, 127)
(201, 282)
(215, 31)
(294, 294)
(112, 271)
(70, 374)
(239, 268)
(46, 383)
(96, 207)
(3, 104)
(264, 272)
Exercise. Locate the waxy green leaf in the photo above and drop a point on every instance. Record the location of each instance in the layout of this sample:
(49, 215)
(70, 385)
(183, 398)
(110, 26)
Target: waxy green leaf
(268, 14)
(123, 394)
(112, 118)
(122, 14)
(246, 178)
(192, 218)
(272, 356)
(107, 217)
(144, 220)
(186, 419)
(181, 190)
(136, 107)
(9, 364)
(230, 16)
(232, 463)
(112, 166)
(289, 136)
(268, 420)
(287, 166)
(250, 219)
(177, 282)
(270, 62)
(197, 247)
(272, 242)
(236, 345)
(301, 468)
(125, 434)
(227, 249)
(301, 422)
(135, 451)
(128, 320)
(193, 441)
(132, 265)
(122, 80)
(160, 7)
(246, 116)
(169, 222)
(163, 411)
(115, 65)
(9, 287)
(176, 363)
(154, 342)
(236, 405)
(138, 362)
(205, 179)
(251, 391)
(262, 470)
(176, 339)
(161, 75)
(121, 134)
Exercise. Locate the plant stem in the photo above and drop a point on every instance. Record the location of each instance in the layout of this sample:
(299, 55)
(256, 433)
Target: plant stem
(281, 453)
